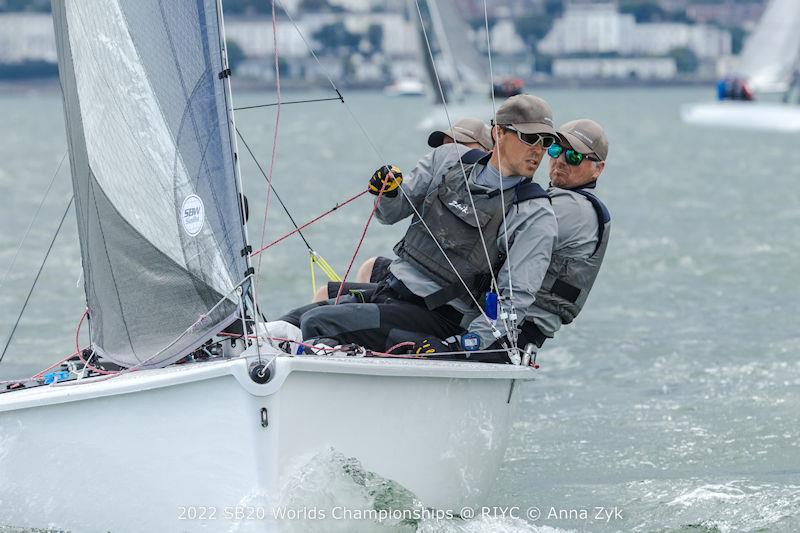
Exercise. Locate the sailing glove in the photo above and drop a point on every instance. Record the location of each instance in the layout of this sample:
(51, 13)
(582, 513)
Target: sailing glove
(391, 176)
(430, 345)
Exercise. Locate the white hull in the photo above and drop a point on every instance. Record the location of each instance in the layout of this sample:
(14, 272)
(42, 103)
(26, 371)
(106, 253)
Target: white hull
(407, 87)
(126, 454)
(744, 115)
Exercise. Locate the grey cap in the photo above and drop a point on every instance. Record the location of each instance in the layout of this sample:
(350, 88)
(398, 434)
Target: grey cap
(466, 130)
(585, 136)
(526, 113)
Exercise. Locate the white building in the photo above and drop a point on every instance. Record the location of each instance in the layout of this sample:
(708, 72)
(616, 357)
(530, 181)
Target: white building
(639, 68)
(254, 35)
(707, 42)
(588, 28)
(27, 37)
(599, 28)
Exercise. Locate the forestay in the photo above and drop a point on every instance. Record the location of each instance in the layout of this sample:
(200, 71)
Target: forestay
(153, 172)
(770, 56)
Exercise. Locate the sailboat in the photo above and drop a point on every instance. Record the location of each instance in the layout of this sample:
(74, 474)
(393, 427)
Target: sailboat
(441, 30)
(126, 439)
(769, 66)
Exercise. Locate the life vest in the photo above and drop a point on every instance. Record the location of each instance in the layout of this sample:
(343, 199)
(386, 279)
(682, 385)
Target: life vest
(450, 217)
(568, 280)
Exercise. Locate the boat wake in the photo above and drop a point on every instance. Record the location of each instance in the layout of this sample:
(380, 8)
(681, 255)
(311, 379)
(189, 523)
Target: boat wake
(330, 492)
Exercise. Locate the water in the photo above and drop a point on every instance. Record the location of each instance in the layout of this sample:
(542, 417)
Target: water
(673, 399)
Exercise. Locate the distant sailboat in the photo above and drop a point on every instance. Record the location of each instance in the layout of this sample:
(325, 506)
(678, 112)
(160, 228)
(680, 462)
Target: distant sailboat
(768, 66)
(448, 57)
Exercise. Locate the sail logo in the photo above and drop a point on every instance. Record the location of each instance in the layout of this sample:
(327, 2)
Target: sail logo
(464, 209)
(193, 215)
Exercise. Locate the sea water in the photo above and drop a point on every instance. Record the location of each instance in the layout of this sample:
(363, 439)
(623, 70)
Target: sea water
(671, 404)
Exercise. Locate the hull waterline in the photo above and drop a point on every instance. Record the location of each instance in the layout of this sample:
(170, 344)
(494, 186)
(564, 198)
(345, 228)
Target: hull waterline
(744, 115)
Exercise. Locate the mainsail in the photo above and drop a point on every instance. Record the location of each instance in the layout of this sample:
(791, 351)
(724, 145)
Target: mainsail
(153, 171)
(770, 56)
(448, 35)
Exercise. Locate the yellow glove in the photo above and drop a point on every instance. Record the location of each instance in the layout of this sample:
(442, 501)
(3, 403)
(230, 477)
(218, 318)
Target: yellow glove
(391, 176)
(429, 346)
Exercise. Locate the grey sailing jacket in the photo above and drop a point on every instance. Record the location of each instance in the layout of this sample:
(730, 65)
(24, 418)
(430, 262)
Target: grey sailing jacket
(531, 234)
(576, 260)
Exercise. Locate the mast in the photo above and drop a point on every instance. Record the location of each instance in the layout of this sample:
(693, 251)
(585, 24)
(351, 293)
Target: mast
(236, 167)
(451, 73)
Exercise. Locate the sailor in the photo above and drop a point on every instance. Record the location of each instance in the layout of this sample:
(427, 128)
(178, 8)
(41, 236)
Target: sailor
(584, 227)
(470, 132)
(424, 293)
(576, 161)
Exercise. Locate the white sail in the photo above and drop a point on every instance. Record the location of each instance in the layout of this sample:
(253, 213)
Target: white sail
(469, 65)
(153, 173)
(770, 56)
(447, 53)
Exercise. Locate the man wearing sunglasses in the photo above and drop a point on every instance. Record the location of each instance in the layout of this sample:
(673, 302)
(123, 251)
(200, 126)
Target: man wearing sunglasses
(576, 161)
(424, 296)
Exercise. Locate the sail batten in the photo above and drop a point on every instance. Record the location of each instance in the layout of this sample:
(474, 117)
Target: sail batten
(153, 171)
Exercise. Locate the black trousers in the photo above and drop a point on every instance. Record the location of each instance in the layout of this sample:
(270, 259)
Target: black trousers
(378, 317)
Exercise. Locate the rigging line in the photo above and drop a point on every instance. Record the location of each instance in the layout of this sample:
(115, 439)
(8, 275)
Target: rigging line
(339, 98)
(315, 219)
(361, 240)
(36, 279)
(33, 221)
(367, 137)
(512, 336)
(139, 365)
(382, 160)
(277, 196)
(228, 94)
(274, 139)
(461, 163)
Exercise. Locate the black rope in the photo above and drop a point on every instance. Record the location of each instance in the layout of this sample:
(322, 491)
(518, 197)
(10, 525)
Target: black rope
(41, 267)
(310, 249)
(340, 98)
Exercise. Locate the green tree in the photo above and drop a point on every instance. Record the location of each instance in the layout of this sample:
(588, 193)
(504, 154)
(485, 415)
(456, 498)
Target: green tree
(685, 59)
(335, 37)
(532, 28)
(317, 6)
(375, 37)
(737, 38)
(39, 6)
(235, 54)
(644, 10)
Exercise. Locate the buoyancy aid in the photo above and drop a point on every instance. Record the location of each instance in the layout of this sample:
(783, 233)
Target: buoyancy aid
(568, 280)
(450, 217)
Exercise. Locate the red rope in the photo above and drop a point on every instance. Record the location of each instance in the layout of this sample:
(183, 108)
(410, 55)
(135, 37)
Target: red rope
(313, 220)
(400, 345)
(369, 353)
(363, 234)
(41, 372)
(274, 136)
(78, 347)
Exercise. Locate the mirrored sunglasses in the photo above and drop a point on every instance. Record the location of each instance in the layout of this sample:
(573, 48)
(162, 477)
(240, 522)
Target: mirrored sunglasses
(571, 156)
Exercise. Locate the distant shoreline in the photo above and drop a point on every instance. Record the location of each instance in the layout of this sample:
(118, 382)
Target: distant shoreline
(48, 84)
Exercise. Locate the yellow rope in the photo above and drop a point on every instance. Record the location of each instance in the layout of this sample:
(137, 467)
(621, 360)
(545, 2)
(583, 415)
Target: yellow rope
(324, 267)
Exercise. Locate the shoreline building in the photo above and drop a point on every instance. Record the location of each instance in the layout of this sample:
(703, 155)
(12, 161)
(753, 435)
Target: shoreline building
(595, 40)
